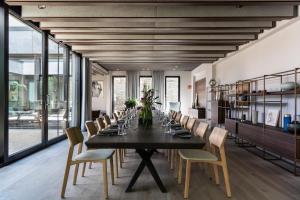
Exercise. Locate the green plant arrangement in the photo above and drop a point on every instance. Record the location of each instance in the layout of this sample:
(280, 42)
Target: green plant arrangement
(130, 103)
(147, 101)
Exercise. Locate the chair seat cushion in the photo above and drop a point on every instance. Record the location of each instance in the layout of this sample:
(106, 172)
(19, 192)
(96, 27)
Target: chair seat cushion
(197, 155)
(91, 155)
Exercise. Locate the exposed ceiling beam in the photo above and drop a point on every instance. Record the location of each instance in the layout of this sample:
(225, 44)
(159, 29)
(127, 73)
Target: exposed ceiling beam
(204, 25)
(151, 47)
(155, 13)
(151, 31)
(155, 42)
(151, 2)
(153, 54)
(155, 37)
(143, 59)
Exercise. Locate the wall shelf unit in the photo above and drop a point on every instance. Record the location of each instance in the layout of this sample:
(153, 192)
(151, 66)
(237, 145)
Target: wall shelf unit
(258, 96)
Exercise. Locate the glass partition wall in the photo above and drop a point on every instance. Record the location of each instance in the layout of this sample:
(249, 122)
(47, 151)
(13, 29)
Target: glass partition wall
(39, 96)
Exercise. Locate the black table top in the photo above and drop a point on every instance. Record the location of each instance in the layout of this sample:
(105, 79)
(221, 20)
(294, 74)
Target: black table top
(139, 137)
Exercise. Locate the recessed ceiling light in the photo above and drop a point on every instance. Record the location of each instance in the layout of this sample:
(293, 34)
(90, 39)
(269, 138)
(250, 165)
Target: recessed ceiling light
(41, 6)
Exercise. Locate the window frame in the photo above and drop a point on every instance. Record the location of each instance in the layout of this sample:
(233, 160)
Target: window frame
(144, 76)
(166, 77)
(112, 90)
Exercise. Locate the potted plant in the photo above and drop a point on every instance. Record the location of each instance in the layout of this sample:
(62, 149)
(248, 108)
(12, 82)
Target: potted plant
(130, 103)
(147, 101)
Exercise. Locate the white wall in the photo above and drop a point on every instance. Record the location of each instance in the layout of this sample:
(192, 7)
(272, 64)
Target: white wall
(201, 72)
(277, 50)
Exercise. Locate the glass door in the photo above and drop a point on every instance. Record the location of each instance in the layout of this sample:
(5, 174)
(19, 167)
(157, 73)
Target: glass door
(57, 91)
(24, 87)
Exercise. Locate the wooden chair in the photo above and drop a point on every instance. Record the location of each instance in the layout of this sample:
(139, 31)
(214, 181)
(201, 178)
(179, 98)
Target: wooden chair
(190, 124)
(178, 117)
(116, 116)
(184, 120)
(92, 131)
(121, 152)
(101, 124)
(174, 115)
(75, 138)
(216, 140)
(107, 120)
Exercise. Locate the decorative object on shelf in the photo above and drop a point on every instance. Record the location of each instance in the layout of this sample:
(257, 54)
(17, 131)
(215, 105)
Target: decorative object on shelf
(254, 117)
(288, 86)
(272, 117)
(286, 121)
(294, 125)
(148, 100)
(130, 103)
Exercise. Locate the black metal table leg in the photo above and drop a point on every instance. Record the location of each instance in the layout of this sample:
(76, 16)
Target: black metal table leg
(146, 161)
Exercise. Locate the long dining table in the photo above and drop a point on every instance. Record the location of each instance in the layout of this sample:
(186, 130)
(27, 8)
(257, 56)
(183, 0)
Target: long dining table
(146, 141)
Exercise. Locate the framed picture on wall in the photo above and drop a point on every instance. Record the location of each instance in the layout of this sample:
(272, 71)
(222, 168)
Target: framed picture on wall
(272, 117)
(97, 89)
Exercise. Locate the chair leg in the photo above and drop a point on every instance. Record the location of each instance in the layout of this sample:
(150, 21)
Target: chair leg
(83, 169)
(172, 159)
(179, 170)
(112, 174)
(90, 166)
(120, 158)
(226, 180)
(117, 164)
(65, 181)
(216, 173)
(105, 182)
(75, 174)
(187, 179)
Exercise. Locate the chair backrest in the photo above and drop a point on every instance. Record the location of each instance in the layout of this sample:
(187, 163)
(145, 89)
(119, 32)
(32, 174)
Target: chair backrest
(100, 123)
(217, 137)
(174, 115)
(107, 120)
(201, 129)
(178, 117)
(184, 120)
(91, 128)
(74, 135)
(190, 123)
(116, 116)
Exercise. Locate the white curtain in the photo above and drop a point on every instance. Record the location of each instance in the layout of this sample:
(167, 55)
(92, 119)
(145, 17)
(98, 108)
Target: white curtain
(132, 84)
(158, 84)
(86, 103)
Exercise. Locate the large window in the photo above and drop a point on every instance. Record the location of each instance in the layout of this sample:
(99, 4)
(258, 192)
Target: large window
(145, 83)
(25, 86)
(31, 86)
(57, 90)
(119, 92)
(172, 91)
